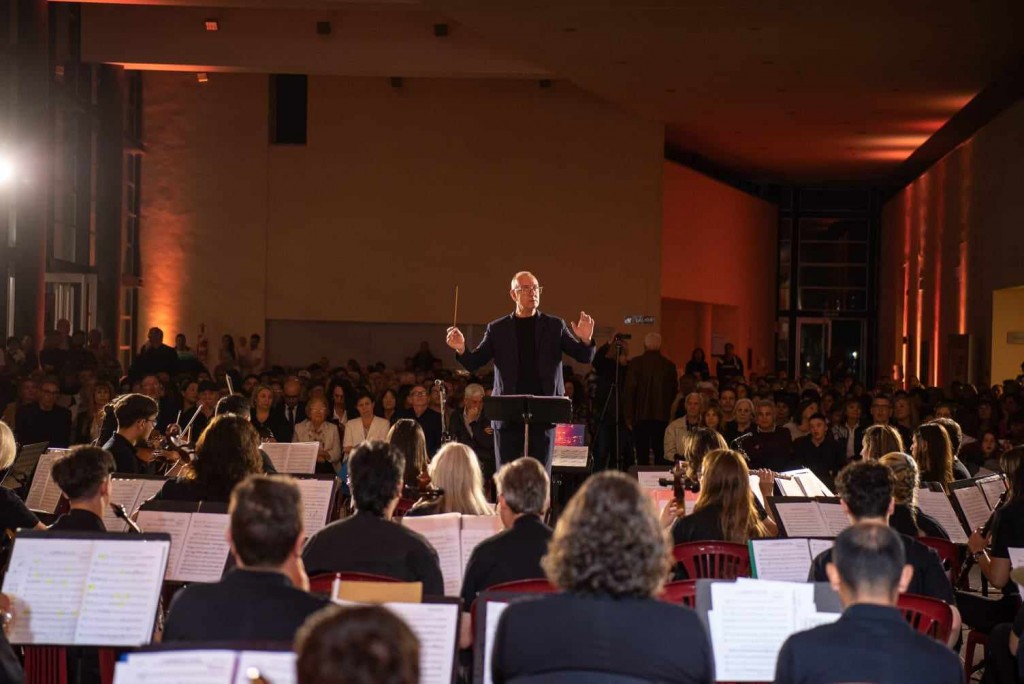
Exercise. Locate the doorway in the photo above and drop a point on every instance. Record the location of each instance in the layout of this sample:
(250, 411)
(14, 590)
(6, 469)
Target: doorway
(830, 346)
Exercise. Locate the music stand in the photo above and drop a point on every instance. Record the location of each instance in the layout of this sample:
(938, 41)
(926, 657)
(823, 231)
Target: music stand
(20, 472)
(526, 409)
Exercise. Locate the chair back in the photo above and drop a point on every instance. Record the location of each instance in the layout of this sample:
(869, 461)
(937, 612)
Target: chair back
(927, 615)
(683, 592)
(322, 584)
(948, 552)
(713, 559)
(539, 585)
(46, 665)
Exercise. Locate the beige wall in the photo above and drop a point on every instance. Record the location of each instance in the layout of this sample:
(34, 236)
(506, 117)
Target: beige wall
(1007, 317)
(718, 248)
(399, 195)
(949, 240)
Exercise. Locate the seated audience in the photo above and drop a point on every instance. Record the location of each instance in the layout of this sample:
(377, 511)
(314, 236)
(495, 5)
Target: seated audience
(879, 440)
(357, 645)
(872, 641)
(89, 421)
(726, 508)
(386, 406)
(366, 427)
(456, 472)
(523, 494)
(768, 446)
(865, 491)
(265, 596)
(907, 518)
(428, 418)
(471, 427)
(818, 452)
(316, 429)
(407, 436)
(743, 422)
(45, 420)
(849, 433)
(14, 514)
(289, 412)
(369, 541)
(227, 453)
(83, 475)
(260, 415)
(610, 557)
(136, 417)
(713, 418)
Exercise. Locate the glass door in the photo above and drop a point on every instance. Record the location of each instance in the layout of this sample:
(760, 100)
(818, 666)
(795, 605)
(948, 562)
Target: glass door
(830, 346)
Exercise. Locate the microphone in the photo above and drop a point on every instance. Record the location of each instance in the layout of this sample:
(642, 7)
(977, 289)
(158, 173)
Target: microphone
(123, 515)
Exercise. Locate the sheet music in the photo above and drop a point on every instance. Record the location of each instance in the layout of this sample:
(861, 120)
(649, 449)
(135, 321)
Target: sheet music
(292, 457)
(174, 524)
(174, 667)
(937, 505)
(316, 504)
(992, 488)
(475, 529)
(835, 519)
(809, 483)
(275, 667)
(569, 457)
(974, 506)
(494, 611)
(126, 493)
(789, 487)
(444, 534)
(435, 625)
(146, 492)
(802, 519)
(818, 546)
(43, 493)
(206, 548)
(755, 486)
(1016, 561)
(648, 479)
(45, 582)
(781, 559)
(122, 592)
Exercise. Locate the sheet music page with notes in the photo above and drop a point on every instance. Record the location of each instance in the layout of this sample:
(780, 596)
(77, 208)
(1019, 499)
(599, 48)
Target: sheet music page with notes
(974, 506)
(788, 487)
(937, 505)
(175, 667)
(819, 546)
(444, 532)
(475, 529)
(206, 548)
(809, 483)
(781, 559)
(275, 667)
(43, 493)
(292, 457)
(435, 625)
(802, 519)
(126, 493)
(992, 488)
(835, 518)
(494, 611)
(316, 504)
(174, 524)
(46, 582)
(122, 592)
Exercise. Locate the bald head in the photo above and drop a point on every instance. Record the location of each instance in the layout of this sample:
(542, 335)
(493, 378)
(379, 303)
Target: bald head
(652, 341)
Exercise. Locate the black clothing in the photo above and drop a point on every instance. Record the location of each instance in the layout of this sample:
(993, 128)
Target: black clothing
(153, 361)
(562, 633)
(198, 425)
(167, 413)
(183, 489)
(367, 543)
(510, 442)
(1007, 532)
(14, 514)
(930, 579)
(771, 450)
(648, 437)
(728, 368)
(78, 520)
(983, 613)
(246, 605)
(824, 460)
(528, 381)
(702, 525)
(507, 556)
(34, 425)
(282, 422)
(266, 429)
(902, 520)
(698, 368)
(427, 507)
(960, 471)
(430, 421)
(10, 664)
(867, 644)
(475, 437)
(125, 459)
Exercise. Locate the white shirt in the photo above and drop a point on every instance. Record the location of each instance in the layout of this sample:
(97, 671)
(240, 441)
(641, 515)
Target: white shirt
(327, 435)
(356, 434)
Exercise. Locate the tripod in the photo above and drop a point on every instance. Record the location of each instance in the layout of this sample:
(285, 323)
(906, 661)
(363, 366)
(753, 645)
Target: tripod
(614, 391)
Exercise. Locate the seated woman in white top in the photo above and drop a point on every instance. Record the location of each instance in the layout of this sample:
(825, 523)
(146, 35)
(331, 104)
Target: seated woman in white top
(367, 427)
(316, 429)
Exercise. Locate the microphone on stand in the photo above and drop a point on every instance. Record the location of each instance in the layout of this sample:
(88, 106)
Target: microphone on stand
(123, 515)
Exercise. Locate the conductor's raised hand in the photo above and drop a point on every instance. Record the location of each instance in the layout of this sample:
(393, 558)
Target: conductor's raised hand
(584, 329)
(456, 340)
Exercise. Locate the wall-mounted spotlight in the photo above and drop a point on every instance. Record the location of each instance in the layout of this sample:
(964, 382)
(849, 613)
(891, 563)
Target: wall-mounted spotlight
(202, 77)
(7, 170)
(212, 25)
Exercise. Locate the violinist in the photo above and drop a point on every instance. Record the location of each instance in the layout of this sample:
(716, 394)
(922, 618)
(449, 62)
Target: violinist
(136, 417)
(455, 471)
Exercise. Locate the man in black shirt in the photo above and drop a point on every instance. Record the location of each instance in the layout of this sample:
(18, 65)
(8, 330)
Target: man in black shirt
(266, 596)
(428, 418)
(44, 421)
(285, 415)
(768, 446)
(818, 451)
(523, 493)
(729, 366)
(84, 477)
(865, 490)
(369, 541)
(526, 348)
(136, 417)
(154, 358)
(872, 641)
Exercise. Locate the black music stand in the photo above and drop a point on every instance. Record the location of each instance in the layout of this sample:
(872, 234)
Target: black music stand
(527, 409)
(19, 474)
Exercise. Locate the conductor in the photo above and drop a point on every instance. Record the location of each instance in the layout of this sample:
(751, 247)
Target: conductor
(527, 348)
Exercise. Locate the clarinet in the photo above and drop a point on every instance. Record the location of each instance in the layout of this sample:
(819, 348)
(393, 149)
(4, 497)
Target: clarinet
(122, 514)
(985, 529)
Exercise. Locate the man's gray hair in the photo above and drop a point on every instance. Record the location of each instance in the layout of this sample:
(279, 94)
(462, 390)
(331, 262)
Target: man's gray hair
(652, 341)
(474, 391)
(525, 485)
(519, 275)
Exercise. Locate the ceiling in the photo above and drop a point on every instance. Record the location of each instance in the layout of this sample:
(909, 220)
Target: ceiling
(786, 91)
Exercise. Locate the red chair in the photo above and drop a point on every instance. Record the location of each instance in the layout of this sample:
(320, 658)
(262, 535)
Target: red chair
(974, 639)
(713, 559)
(927, 615)
(403, 507)
(108, 662)
(46, 665)
(948, 552)
(683, 592)
(321, 584)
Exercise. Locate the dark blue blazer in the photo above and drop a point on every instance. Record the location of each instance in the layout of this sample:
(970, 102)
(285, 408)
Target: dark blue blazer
(500, 345)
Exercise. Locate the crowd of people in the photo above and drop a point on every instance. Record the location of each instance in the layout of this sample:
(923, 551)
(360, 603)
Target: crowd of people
(387, 433)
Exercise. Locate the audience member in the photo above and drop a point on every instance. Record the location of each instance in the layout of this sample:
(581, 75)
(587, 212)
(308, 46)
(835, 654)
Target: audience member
(769, 446)
(818, 452)
(316, 429)
(366, 427)
(154, 358)
(428, 418)
(730, 366)
(650, 388)
(289, 412)
(44, 421)
(472, 428)
(90, 420)
(697, 366)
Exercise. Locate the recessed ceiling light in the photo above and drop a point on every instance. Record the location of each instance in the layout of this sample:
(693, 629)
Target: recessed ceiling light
(212, 25)
(202, 77)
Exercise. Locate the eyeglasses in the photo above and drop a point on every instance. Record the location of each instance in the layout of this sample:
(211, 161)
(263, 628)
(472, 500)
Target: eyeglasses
(418, 393)
(530, 289)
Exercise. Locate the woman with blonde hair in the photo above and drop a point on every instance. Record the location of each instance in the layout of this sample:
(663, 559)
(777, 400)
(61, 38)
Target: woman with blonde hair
(13, 511)
(455, 470)
(878, 441)
(726, 508)
(906, 517)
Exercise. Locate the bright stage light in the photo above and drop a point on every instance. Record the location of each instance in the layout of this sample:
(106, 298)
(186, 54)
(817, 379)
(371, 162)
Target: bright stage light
(6, 170)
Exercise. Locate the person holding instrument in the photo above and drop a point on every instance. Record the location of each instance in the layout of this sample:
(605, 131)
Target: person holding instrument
(14, 513)
(136, 417)
(526, 347)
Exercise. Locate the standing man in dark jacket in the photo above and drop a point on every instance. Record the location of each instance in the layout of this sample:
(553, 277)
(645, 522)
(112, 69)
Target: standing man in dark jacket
(526, 347)
(650, 388)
